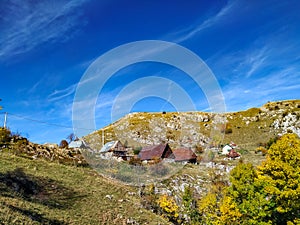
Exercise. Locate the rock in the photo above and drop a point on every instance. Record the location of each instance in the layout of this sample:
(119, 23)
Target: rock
(109, 197)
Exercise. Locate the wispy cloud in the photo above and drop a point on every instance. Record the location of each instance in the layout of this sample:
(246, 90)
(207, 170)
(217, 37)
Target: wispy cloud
(26, 25)
(255, 60)
(266, 70)
(197, 27)
(276, 85)
(60, 94)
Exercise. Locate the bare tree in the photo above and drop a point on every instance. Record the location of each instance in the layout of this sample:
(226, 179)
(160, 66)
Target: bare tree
(72, 137)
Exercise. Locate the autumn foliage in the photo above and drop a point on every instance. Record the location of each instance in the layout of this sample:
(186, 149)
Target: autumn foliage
(169, 207)
(268, 194)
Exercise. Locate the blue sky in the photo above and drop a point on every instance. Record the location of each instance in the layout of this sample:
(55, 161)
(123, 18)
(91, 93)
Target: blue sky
(251, 47)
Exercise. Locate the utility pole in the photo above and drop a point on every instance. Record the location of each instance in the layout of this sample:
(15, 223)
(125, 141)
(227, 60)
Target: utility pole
(5, 116)
(5, 120)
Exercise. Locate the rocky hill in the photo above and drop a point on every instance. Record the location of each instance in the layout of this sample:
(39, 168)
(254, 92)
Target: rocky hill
(200, 129)
(51, 152)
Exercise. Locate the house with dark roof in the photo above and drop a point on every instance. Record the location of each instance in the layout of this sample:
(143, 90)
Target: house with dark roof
(184, 155)
(161, 151)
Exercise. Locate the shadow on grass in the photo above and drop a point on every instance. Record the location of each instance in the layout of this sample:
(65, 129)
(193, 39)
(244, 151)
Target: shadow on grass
(34, 216)
(41, 190)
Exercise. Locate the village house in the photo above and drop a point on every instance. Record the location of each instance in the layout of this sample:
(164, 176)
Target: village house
(228, 147)
(114, 149)
(161, 151)
(80, 145)
(184, 155)
(230, 151)
(77, 144)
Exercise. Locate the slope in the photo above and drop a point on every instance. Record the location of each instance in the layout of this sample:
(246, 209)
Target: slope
(193, 129)
(42, 192)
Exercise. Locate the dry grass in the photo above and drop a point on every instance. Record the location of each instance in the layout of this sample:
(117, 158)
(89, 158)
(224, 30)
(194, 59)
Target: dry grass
(39, 192)
(247, 135)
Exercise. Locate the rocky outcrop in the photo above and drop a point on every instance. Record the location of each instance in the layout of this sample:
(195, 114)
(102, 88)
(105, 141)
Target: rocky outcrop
(51, 152)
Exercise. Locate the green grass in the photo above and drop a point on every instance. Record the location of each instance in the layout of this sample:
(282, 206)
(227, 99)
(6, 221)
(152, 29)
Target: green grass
(247, 136)
(40, 192)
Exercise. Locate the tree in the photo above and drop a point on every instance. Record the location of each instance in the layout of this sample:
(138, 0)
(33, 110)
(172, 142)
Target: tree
(267, 195)
(72, 137)
(281, 175)
(5, 136)
(63, 144)
(208, 207)
(190, 205)
(245, 201)
(271, 142)
(230, 213)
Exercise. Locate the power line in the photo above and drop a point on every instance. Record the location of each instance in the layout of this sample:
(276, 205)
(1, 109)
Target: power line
(44, 122)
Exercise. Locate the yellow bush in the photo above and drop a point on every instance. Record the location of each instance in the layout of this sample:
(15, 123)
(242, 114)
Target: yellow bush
(169, 207)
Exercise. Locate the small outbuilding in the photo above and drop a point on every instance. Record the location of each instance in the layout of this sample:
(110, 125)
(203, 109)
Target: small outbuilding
(77, 144)
(226, 149)
(233, 154)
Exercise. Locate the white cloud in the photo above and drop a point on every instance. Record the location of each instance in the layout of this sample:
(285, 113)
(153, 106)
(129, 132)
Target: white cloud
(255, 61)
(27, 25)
(60, 94)
(276, 85)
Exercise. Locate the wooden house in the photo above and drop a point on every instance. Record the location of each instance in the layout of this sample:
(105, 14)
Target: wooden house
(184, 155)
(161, 151)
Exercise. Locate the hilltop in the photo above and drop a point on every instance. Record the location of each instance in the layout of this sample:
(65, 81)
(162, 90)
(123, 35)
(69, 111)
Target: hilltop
(248, 128)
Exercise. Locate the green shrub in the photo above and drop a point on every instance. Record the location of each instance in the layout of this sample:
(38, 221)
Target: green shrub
(5, 136)
(271, 141)
(242, 151)
(137, 150)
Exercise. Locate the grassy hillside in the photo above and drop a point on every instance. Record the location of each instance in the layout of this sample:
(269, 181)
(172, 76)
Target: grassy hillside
(38, 191)
(246, 128)
(41, 192)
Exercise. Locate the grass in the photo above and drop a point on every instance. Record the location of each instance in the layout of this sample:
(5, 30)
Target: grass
(43, 192)
(40, 192)
(249, 128)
